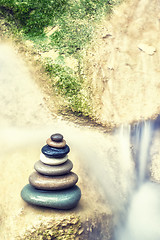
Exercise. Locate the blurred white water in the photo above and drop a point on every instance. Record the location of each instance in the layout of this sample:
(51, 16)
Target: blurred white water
(144, 148)
(141, 218)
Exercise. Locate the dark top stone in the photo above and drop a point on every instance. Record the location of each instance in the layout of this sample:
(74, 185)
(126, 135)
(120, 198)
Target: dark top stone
(53, 152)
(53, 170)
(43, 182)
(62, 199)
(57, 137)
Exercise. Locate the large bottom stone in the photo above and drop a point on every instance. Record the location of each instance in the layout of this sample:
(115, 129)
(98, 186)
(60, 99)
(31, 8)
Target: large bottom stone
(62, 199)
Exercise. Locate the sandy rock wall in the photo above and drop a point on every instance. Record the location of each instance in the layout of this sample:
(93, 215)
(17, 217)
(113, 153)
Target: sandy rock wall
(122, 65)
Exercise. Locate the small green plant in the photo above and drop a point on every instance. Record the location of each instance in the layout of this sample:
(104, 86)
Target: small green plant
(71, 37)
(64, 79)
(68, 84)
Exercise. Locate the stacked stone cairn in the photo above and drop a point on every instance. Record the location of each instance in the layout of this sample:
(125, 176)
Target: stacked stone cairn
(53, 184)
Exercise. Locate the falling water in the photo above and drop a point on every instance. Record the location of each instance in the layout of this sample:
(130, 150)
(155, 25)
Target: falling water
(142, 211)
(142, 135)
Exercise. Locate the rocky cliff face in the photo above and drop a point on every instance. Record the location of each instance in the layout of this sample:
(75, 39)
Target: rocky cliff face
(122, 64)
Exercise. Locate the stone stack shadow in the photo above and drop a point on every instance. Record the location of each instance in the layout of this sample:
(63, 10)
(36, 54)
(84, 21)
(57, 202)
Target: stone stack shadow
(53, 184)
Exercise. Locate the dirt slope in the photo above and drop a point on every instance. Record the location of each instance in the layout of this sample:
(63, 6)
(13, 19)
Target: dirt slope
(123, 63)
(18, 107)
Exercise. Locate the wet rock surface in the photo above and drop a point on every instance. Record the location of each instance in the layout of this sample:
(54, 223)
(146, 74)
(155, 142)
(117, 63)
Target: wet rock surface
(71, 228)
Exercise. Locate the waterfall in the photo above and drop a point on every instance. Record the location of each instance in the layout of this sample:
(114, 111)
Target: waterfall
(141, 140)
(142, 211)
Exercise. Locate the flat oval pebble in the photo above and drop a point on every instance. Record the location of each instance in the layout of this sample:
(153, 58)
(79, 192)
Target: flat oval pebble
(56, 144)
(62, 199)
(57, 137)
(53, 161)
(53, 183)
(53, 152)
(53, 170)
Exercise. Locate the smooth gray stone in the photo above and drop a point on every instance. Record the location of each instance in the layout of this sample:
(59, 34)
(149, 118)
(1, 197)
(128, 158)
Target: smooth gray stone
(62, 199)
(57, 137)
(53, 152)
(53, 170)
(43, 182)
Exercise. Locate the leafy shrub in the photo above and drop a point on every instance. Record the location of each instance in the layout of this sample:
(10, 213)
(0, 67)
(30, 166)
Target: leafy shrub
(34, 15)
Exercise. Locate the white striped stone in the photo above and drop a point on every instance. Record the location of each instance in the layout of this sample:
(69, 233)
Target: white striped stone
(53, 161)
